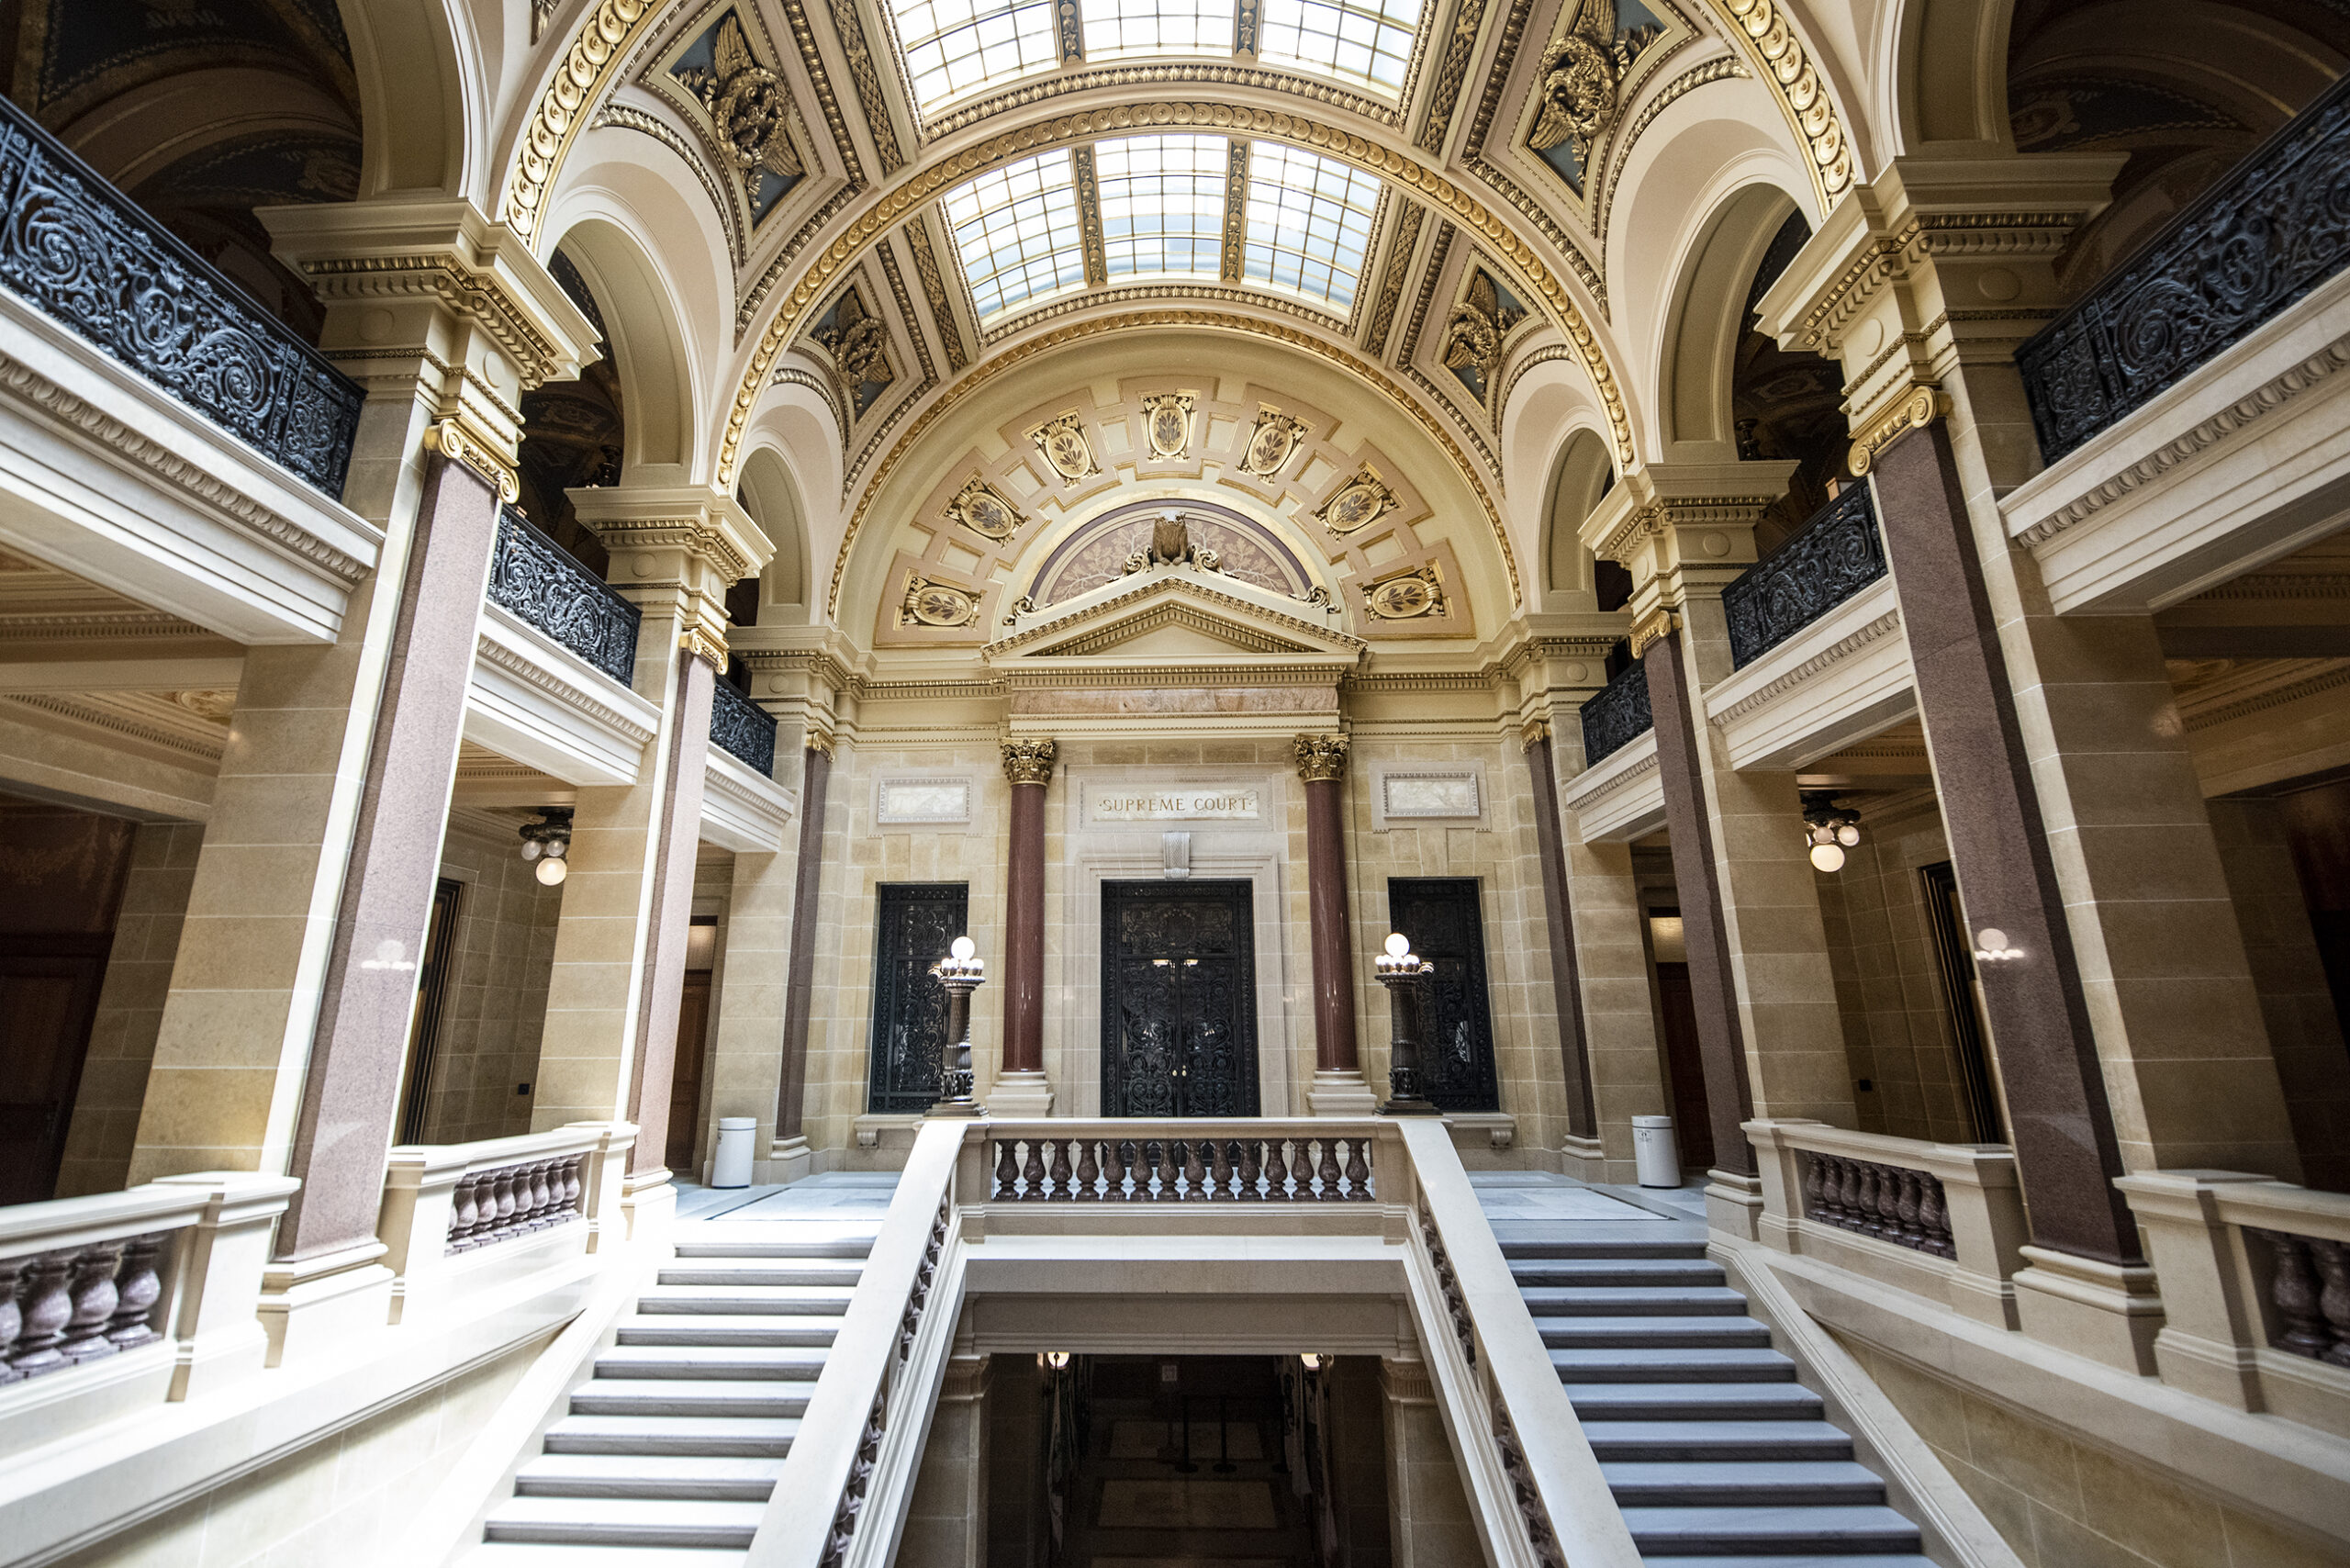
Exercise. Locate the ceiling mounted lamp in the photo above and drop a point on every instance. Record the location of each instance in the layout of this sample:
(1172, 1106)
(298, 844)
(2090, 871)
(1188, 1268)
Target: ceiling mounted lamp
(1830, 829)
(548, 843)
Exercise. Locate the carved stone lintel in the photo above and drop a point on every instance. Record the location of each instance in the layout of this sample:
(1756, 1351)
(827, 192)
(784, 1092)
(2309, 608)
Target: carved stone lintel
(1029, 761)
(1321, 757)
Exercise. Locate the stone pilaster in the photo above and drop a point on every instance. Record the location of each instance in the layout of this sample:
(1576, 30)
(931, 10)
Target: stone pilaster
(1428, 1517)
(1021, 1089)
(1339, 1087)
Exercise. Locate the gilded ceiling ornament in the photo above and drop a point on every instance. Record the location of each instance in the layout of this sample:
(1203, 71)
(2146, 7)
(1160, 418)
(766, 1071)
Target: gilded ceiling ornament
(936, 604)
(1029, 762)
(749, 107)
(1407, 595)
(1582, 79)
(979, 508)
(1272, 442)
(1365, 501)
(1167, 417)
(1321, 757)
(1063, 442)
(858, 341)
(1479, 325)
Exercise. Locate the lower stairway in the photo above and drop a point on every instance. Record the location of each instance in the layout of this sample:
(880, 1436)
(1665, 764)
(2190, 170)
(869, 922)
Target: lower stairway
(670, 1451)
(1716, 1453)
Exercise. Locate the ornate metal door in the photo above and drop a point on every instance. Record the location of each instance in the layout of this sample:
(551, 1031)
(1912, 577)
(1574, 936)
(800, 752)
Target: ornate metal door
(1178, 1000)
(1440, 915)
(917, 921)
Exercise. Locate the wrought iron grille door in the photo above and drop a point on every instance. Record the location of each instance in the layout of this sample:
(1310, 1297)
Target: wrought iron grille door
(1178, 1000)
(915, 923)
(1441, 917)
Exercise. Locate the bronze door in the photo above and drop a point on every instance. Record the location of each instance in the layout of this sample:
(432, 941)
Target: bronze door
(1178, 1000)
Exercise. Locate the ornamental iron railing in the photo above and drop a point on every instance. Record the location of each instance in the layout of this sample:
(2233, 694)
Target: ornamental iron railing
(543, 585)
(1618, 716)
(741, 729)
(83, 254)
(2274, 228)
(1824, 563)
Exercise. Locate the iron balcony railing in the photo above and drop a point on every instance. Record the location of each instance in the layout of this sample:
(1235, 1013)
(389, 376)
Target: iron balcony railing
(83, 254)
(1618, 716)
(2274, 228)
(1824, 563)
(540, 584)
(741, 729)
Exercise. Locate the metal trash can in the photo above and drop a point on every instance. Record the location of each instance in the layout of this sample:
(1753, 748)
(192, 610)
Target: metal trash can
(731, 1167)
(1655, 1152)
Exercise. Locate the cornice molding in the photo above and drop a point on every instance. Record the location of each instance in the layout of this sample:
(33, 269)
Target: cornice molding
(530, 672)
(1177, 590)
(1827, 658)
(1615, 783)
(2222, 709)
(124, 724)
(1927, 236)
(139, 626)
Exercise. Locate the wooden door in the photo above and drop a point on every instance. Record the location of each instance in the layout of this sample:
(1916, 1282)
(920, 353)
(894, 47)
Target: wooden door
(49, 995)
(685, 1085)
(1692, 1123)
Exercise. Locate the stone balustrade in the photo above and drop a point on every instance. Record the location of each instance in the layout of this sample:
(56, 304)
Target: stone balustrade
(511, 1200)
(1945, 1221)
(1108, 1163)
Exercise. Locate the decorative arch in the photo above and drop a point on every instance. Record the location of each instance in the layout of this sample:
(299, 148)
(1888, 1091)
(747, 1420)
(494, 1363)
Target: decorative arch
(1944, 73)
(1582, 476)
(768, 494)
(421, 109)
(1710, 312)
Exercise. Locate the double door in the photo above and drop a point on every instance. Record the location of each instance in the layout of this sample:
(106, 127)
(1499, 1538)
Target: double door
(1178, 1000)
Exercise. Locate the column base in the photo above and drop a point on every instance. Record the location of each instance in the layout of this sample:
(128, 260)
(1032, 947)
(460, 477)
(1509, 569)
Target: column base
(310, 1305)
(790, 1159)
(1022, 1095)
(1583, 1158)
(2107, 1312)
(1341, 1094)
(648, 1206)
(1734, 1205)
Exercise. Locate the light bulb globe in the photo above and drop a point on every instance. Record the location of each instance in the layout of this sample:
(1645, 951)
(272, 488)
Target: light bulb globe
(1828, 857)
(963, 947)
(532, 849)
(1398, 944)
(552, 871)
(1848, 835)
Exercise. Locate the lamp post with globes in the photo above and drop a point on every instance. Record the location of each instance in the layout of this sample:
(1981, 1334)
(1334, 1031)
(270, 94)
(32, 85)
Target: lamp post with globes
(1405, 975)
(961, 972)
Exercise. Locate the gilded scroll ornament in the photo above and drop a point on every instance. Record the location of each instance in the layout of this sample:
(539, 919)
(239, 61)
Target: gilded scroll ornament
(1064, 444)
(979, 508)
(1408, 596)
(1921, 408)
(749, 107)
(1029, 762)
(1167, 419)
(1365, 500)
(1321, 758)
(936, 604)
(1272, 442)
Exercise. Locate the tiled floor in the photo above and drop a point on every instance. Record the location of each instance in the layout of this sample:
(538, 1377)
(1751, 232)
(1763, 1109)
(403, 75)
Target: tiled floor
(837, 1195)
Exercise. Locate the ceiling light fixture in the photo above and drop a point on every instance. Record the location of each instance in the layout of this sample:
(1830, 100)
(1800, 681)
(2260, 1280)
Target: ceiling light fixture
(1830, 829)
(548, 843)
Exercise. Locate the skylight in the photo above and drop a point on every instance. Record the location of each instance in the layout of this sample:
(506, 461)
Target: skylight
(1363, 41)
(1162, 202)
(954, 45)
(1309, 222)
(1016, 229)
(1120, 28)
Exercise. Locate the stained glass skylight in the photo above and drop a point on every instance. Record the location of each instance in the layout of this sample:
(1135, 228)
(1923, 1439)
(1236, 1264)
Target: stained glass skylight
(1122, 28)
(1363, 41)
(1016, 229)
(1308, 222)
(1162, 202)
(954, 45)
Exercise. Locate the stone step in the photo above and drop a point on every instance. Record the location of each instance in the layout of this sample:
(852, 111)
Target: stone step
(699, 1363)
(1624, 1301)
(1800, 1559)
(729, 1328)
(1642, 1364)
(703, 1478)
(780, 1300)
(738, 1273)
(723, 1436)
(625, 1521)
(1694, 1401)
(1701, 1440)
(1769, 1483)
(1775, 1532)
(729, 1398)
(759, 1242)
(1636, 1273)
(1715, 1333)
(1584, 1247)
(521, 1554)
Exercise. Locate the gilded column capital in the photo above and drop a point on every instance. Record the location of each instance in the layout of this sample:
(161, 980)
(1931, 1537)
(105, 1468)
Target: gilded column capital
(1321, 757)
(1029, 762)
(820, 740)
(450, 439)
(1653, 627)
(1924, 404)
(1533, 734)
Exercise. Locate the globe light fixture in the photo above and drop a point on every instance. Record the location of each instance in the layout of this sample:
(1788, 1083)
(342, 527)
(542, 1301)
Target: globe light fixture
(1405, 975)
(1828, 829)
(962, 972)
(546, 846)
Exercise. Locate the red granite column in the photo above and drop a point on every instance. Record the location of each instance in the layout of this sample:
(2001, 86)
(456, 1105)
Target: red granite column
(800, 971)
(1020, 1085)
(1566, 993)
(1322, 763)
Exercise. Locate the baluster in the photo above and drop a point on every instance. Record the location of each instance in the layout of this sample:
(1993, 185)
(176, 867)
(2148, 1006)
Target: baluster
(502, 1185)
(137, 1288)
(574, 1174)
(1252, 1169)
(1329, 1170)
(1838, 1188)
(1933, 1219)
(1114, 1171)
(48, 1307)
(1220, 1173)
(544, 1185)
(1912, 1204)
(1888, 1202)
(1032, 1169)
(465, 1214)
(1168, 1170)
(1087, 1172)
(2334, 1300)
(11, 1319)
(2293, 1291)
(1195, 1175)
(1815, 1206)
(526, 1200)
(1358, 1169)
(1006, 1174)
(1060, 1170)
(1858, 1205)
(1301, 1170)
(95, 1299)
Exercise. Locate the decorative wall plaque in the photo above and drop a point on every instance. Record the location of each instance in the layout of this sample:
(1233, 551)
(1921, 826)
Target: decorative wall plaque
(978, 507)
(908, 801)
(1407, 595)
(1167, 419)
(1182, 802)
(1272, 442)
(1365, 500)
(936, 604)
(1429, 795)
(1063, 442)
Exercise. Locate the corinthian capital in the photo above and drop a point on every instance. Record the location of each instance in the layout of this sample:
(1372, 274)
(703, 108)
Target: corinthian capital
(1321, 756)
(1029, 762)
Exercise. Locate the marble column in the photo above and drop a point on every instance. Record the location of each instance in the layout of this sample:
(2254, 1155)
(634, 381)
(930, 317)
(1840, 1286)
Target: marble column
(1429, 1522)
(1339, 1087)
(800, 973)
(1566, 991)
(1021, 1089)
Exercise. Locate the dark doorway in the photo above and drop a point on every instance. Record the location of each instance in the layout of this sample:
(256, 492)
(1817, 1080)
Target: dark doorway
(693, 1043)
(1441, 917)
(1676, 1009)
(1962, 998)
(424, 1024)
(1178, 1000)
(916, 923)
